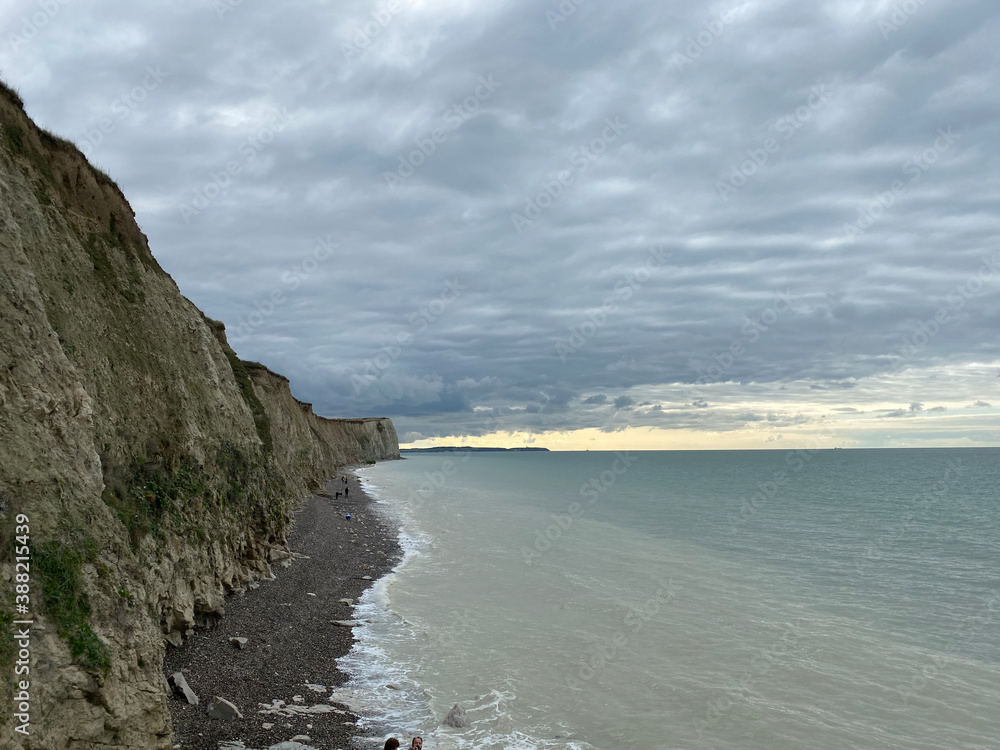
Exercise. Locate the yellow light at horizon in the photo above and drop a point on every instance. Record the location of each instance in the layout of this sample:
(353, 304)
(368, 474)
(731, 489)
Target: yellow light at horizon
(631, 438)
(952, 430)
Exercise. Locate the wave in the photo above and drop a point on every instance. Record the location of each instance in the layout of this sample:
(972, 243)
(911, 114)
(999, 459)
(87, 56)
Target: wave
(385, 664)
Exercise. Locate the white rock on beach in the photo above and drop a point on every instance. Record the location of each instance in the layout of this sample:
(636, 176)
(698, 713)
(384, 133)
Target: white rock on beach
(345, 623)
(348, 602)
(240, 643)
(279, 708)
(182, 688)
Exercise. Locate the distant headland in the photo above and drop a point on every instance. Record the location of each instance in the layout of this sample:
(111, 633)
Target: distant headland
(464, 449)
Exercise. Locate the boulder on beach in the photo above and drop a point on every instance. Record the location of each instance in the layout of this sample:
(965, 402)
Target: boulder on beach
(181, 687)
(456, 718)
(240, 643)
(220, 708)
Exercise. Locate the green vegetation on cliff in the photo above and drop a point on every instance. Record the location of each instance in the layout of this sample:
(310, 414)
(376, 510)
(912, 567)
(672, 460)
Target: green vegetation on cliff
(261, 421)
(150, 490)
(11, 94)
(58, 566)
(241, 371)
(20, 147)
(163, 490)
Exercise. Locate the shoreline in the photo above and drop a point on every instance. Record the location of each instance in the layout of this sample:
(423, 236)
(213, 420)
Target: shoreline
(292, 646)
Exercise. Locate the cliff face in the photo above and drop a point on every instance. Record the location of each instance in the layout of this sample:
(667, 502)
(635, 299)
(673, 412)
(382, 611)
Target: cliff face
(158, 471)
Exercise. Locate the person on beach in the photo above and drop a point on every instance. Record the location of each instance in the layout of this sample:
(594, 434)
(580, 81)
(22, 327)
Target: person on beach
(417, 743)
(347, 491)
(391, 744)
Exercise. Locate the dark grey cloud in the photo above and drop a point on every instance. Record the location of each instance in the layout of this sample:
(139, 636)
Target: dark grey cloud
(820, 188)
(915, 410)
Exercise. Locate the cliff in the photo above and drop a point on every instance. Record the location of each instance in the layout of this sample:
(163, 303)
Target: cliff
(157, 471)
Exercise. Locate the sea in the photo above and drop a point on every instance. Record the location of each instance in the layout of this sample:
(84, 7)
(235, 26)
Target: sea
(733, 600)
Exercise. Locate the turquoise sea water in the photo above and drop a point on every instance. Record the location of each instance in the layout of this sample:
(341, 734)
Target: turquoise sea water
(733, 599)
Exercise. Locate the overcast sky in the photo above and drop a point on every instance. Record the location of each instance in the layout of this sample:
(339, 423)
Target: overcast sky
(588, 224)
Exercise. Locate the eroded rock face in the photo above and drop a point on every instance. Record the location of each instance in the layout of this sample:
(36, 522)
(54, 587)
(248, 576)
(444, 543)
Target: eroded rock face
(158, 472)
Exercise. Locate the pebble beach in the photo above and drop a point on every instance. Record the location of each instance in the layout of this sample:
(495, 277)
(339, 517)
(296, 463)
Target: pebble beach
(295, 628)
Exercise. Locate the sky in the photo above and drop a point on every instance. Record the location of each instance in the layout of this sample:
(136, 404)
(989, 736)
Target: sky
(576, 225)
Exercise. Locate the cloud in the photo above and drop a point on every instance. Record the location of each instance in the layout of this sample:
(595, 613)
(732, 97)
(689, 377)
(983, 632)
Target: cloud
(765, 304)
(916, 409)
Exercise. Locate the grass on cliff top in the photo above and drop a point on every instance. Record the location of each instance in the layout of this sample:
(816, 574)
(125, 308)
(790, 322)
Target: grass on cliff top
(19, 146)
(58, 568)
(15, 136)
(103, 177)
(11, 94)
(51, 139)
